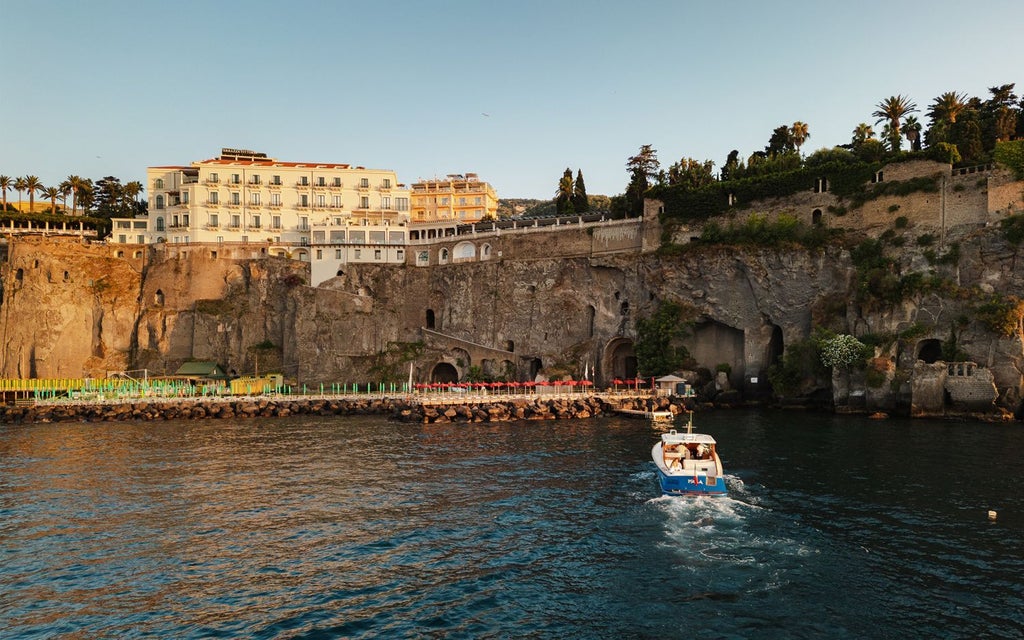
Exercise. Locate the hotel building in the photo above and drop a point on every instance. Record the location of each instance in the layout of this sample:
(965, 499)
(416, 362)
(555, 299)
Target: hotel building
(458, 198)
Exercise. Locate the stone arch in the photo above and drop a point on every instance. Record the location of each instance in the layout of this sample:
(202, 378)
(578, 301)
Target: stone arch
(507, 369)
(442, 257)
(776, 347)
(462, 358)
(714, 343)
(444, 372)
(619, 359)
(430, 320)
(119, 254)
(485, 252)
(930, 351)
(510, 346)
(302, 255)
(464, 251)
(816, 216)
(137, 254)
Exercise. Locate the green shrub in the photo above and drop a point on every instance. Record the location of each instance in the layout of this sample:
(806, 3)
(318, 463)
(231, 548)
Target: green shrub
(901, 222)
(893, 208)
(1010, 154)
(925, 240)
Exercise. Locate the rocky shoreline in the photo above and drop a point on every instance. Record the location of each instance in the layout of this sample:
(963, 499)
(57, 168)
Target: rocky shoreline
(400, 409)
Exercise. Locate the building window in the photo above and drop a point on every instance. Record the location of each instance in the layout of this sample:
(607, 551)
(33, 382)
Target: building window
(402, 204)
(275, 180)
(479, 200)
(386, 183)
(275, 199)
(337, 254)
(275, 222)
(444, 201)
(235, 179)
(321, 201)
(304, 181)
(213, 220)
(184, 197)
(255, 180)
(336, 182)
(319, 254)
(254, 198)
(160, 202)
(214, 197)
(462, 202)
(255, 222)
(236, 198)
(376, 254)
(159, 183)
(214, 178)
(385, 202)
(304, 200)
(358, 253)
(122, 239)
(160, 224)
(336, 203)
(321, 181)
(364, 182)
(364, 202)
(400, 254)
(236, 221)
(304, 223)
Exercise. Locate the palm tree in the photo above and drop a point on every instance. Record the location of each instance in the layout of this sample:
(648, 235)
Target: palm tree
(892, 109)
(6, 183)
(76, 183)
(947, 107)
(32, 184)
(862, 132)
(132, 190)
(798, 132)
(912, 129)
(19, 186)
(65, 191)
(51, 193)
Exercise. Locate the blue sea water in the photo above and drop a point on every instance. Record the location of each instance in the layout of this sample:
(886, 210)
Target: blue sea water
(356, 527)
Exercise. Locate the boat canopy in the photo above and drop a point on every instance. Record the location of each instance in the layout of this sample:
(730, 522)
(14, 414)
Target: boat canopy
(680, 438)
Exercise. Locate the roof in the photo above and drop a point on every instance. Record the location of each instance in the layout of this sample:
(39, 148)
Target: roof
(669, 378)
(277, 163)
(201, 368)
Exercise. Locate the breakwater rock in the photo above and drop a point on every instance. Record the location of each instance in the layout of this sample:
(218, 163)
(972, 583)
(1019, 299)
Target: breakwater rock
(401, 408)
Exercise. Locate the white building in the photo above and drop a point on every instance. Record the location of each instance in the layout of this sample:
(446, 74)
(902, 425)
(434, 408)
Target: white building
(330, 214)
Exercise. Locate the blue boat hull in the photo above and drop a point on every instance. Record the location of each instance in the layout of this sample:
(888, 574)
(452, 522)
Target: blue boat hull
(689, 485)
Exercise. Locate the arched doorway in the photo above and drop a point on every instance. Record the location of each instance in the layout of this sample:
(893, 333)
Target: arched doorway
(929, 350)
(619, 359)
(444, 372)
(430, 318)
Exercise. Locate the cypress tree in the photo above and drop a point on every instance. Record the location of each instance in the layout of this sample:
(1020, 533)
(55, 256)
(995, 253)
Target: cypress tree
(579, 194)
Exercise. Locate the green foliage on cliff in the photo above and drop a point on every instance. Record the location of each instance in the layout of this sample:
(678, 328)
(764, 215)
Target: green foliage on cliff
(1011, 155)
(757, 230)
(390, 365)
(799, 370)
(1001, 314)
(659, 350)
(1012, 228)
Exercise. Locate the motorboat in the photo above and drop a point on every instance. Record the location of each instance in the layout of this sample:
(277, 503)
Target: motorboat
(688, 464)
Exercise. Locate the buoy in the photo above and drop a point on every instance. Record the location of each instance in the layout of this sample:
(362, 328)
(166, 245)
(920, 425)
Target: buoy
(992, 514)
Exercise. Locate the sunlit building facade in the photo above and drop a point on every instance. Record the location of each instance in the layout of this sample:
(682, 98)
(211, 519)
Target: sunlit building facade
(457, 197)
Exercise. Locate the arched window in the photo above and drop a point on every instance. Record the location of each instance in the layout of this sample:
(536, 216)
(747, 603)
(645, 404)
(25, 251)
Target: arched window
(160, 223)
(816, 216)
(430, 318)
(19, 275)
(158, 298)
(160, 202)
(444, 256)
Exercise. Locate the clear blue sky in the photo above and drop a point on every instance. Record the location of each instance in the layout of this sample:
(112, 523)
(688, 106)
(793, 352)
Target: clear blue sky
(109, 87)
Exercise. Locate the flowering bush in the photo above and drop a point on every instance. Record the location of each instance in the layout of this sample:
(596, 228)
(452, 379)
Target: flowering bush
(842, 351)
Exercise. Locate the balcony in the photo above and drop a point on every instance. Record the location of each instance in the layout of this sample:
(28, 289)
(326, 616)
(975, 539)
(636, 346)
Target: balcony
(274, 186)
(213, 204)
(299, 185)
(255, 205)
(233, 205)
(274, 205)
(212, 227)
(211, 183)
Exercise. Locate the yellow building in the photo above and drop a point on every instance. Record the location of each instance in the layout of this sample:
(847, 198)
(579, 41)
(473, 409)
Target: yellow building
(457, 197)
(245, 196)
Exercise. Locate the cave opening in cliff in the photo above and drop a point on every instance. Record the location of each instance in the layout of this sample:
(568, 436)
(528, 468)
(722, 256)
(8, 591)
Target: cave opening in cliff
(930, 351)
(430, 318)
(444, 372)
(158, 298)
(620, 359)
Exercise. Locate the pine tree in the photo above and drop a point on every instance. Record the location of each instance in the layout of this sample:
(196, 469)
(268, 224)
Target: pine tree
(579, 194)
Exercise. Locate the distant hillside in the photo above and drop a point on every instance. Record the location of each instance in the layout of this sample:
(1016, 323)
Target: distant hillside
(533, 208)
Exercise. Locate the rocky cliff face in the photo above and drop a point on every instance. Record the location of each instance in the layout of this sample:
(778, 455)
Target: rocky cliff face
(520, 316)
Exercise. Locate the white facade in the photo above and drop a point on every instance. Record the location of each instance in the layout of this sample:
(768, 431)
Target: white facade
(244, 196)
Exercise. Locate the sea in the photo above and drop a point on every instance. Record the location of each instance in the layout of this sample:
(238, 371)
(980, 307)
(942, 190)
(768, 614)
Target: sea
(358, 527)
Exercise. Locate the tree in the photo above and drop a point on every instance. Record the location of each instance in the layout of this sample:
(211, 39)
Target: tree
(659, 349)
(77, 184)
(65, 191)
(643, 169)
(563, 196)
(52, 193)
(780, 142)
(912, 129)
(6, 183)
(893, 109)
(110, 199)
(862, 133)
(691, 174)
(798, 133)
(947, 107)
(19, 186)
(580, 201)
(732, 162)
(32, 184)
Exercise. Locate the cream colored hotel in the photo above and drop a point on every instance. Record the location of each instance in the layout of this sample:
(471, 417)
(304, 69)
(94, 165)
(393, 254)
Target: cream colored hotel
(325, 213)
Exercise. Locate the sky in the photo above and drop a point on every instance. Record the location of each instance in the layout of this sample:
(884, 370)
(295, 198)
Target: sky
(513, 90)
